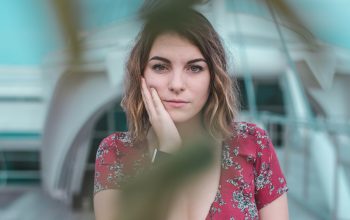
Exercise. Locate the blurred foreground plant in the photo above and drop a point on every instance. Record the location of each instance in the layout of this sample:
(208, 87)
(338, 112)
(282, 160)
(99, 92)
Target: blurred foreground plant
(148, 195)
(282, 8)
(68, 19)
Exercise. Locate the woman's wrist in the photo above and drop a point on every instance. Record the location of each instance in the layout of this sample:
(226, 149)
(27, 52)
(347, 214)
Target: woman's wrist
(159, 156)
(169, 148)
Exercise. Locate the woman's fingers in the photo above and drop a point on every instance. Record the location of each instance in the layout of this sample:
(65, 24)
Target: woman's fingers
(147, 98)
(153, 102)
(167, 134)
(156, 101)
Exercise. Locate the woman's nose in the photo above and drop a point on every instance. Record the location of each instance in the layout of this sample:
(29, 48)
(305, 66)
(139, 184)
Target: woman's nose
(176, 82)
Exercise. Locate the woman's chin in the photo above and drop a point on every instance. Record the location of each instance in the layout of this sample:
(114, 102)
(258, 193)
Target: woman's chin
(179, 118)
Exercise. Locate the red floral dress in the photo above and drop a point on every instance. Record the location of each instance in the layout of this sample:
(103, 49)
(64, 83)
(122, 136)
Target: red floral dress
(250, 178)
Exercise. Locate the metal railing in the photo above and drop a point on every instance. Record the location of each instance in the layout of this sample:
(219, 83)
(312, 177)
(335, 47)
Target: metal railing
(296, 142)
(19, 158)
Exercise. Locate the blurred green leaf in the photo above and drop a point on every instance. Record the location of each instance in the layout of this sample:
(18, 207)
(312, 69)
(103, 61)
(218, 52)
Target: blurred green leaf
(148, 195)
(287, 13)
(69, 21)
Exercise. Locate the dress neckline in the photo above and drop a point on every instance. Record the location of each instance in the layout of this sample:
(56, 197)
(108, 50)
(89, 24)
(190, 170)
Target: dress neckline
(218, 190)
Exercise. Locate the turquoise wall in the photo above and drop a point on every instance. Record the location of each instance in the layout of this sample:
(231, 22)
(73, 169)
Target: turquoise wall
(29, 30)
(327, 19)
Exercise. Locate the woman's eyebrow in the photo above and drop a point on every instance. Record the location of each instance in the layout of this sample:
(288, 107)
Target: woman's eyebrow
(168, 61)
(196, 60)
(160, 58)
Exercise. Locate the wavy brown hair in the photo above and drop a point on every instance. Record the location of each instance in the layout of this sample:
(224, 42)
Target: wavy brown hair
(222, 105)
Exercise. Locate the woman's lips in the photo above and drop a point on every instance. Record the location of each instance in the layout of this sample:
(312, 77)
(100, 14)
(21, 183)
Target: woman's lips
(176, 103)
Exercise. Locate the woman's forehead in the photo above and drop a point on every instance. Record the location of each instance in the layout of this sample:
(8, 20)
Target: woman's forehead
(174, 46)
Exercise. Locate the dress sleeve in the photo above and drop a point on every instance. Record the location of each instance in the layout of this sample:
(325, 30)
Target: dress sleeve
(269, 180)
(109, 167)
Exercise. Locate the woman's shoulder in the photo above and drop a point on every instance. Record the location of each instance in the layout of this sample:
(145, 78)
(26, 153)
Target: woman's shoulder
(253, 147)
(116, 160)
(248, 138)
(248, 130)
(116, 145)
(122, 139)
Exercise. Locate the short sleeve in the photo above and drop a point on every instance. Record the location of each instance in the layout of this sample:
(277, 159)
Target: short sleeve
(109, 166)
(270, 182)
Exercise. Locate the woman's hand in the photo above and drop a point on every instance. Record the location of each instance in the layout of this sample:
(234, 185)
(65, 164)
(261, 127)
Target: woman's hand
(169, 139)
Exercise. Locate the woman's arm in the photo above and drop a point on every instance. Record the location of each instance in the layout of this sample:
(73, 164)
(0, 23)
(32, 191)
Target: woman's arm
(163, 125)
(276, 210)
(106, 204)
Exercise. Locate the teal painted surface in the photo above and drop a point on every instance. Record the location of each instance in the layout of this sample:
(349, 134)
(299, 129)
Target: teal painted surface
(27, 32)
(20, 135)
(100, 13)
(252, 7)
(21, 99)
(326, 19)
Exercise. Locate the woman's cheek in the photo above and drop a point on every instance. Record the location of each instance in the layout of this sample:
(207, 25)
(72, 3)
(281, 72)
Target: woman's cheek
(148, 79)
(150, 84)
(153, 82)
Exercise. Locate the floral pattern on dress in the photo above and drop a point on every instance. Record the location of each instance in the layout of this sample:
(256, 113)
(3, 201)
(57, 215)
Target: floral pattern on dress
(250, 177)
(218, 200)
(227, 160)
(112, 166)
(245, 204)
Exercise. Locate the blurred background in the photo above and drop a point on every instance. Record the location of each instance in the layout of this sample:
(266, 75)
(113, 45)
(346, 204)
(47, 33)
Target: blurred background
(61, 82)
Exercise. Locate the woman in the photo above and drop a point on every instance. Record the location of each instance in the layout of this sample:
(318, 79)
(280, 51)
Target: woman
(178, 90)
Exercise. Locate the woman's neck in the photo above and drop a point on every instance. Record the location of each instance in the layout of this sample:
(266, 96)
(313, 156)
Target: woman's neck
(191, 130)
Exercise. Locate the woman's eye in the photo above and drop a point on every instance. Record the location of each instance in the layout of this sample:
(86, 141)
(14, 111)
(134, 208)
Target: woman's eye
(195, 68)
(159, 67)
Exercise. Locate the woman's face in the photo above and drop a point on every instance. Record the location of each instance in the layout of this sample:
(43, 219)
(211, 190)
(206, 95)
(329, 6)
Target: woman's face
(178, 71)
